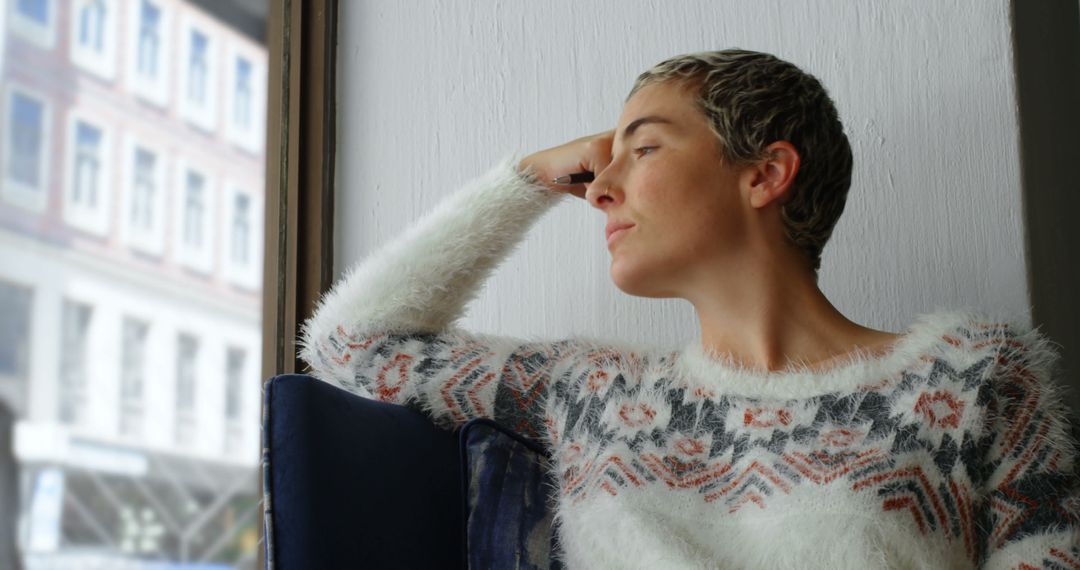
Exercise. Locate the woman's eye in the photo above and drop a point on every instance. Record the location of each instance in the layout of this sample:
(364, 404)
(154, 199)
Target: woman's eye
(642, 148)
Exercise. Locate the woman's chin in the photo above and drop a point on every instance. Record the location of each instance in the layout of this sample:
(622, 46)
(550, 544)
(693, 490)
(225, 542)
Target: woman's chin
(627, 278)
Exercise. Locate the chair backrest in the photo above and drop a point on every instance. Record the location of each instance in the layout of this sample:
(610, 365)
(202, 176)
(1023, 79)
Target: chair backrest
(350, 482)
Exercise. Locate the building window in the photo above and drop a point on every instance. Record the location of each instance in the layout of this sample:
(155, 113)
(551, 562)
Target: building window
(193, 209)
(199, 71)
(244, 98)
(197, 68)
(73, 392)
(88, 199)
(194, 206)
(15, 331)
(243, 94)
(147, 36)
(87, 165)
(144, 190)
(186, 360)
(26, 117)
(36, 10)
(33, 20)
(241, 223)
(92, 25)
(149, 39)
(132, 376)
(142, 219)
(234, 381)
(241, 229)
(92, 40)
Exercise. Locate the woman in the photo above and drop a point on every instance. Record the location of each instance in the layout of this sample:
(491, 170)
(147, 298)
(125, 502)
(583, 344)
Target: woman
(786, 436)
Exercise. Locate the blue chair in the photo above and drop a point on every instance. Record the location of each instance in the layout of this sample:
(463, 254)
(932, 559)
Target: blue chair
(350, 482)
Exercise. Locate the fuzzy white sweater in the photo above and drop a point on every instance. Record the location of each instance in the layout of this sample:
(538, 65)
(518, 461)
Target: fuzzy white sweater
(954, 450)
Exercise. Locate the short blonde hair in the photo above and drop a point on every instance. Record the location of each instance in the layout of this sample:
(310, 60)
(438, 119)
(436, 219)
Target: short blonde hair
(753, 99)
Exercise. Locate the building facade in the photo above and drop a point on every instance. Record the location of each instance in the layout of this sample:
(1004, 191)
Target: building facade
(131, 200)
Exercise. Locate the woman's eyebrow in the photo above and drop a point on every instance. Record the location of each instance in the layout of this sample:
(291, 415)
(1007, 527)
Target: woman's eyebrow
(629, 132)
(643, 121)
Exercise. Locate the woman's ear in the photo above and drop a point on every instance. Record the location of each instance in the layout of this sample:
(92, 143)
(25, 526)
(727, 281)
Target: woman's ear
(771, 178)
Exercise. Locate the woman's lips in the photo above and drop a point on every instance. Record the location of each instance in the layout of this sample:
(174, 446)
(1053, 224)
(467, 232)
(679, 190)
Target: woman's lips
(615, 234)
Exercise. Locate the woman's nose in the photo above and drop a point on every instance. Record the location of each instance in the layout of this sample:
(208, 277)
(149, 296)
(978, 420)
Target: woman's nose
(600, 189)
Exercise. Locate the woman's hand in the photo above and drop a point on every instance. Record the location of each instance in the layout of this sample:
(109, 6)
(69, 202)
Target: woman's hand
(590, 153)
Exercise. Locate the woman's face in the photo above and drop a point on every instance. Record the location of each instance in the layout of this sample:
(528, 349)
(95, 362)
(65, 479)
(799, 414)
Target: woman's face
(666, 178)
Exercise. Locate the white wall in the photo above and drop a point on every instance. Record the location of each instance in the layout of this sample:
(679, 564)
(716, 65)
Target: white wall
(432, 93)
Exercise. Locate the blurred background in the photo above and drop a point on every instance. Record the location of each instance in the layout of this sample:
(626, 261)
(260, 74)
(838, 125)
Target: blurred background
(132, 161)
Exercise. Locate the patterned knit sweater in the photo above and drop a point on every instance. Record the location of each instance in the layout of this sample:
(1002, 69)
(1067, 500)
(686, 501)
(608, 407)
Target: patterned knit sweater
(954, 450)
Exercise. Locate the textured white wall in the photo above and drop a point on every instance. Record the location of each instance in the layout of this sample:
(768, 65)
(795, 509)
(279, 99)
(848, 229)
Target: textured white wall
(432, 93)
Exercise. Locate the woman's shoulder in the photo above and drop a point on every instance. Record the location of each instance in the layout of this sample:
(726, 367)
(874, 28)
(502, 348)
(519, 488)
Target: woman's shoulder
(1022, 374)
(1018, 349)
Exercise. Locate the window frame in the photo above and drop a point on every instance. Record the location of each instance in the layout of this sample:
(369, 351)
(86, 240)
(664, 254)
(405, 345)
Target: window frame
(300, 157)
(26, 373)
(203, 116)
(201, 260)
(234, 433)
(153, 241)
(101, 64)
(82, 419)
(185, 422)
(41, 35)
(244, 276)
(122, 401)
(15, 192)
(250, 138)
(93, 220)
(154, 91)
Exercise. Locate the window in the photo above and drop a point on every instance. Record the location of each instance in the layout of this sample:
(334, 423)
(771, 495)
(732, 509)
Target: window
(14, 331)
(198, 72)
(143, 213)
(194, 210)
(73, 389)
(92, 45)
(15, 306)
(87, 165)
(241, 229)
(242, 221)
(33, 20)
(245, 77)
(28, 122)
(197, 69)
(92, 25)
(149, 42)
(186, 355)
(117, 309)
(242, 96)
(147, 37)
(25, 160)
(132, 377)
(234, 379)
(88, 197)
(34, 10)
(145, 189)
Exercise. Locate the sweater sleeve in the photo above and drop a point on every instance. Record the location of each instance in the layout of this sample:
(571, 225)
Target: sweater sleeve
(386, 329)
(1031, 505)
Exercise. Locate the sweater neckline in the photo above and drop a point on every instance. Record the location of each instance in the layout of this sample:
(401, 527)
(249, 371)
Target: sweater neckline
(926, 335)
